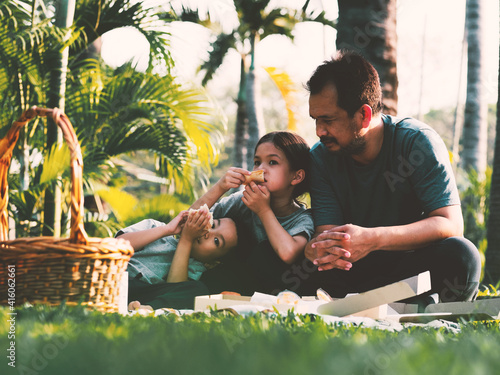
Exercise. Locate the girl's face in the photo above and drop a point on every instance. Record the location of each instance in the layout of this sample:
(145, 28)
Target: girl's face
(277, 172)
(217, 242)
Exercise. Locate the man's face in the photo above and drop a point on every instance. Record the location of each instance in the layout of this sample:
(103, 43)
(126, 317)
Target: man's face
(338, 132)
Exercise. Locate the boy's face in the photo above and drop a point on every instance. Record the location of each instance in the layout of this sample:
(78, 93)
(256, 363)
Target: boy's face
(217, 242)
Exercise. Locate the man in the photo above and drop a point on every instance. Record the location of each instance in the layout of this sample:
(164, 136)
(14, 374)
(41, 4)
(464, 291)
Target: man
(384, 198)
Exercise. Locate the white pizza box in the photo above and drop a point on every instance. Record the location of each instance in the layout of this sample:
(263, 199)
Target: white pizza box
(372, 303)
(397, 291)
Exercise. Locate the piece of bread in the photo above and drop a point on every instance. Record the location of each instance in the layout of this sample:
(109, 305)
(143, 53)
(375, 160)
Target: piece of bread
(322, 295)
(204, 208)
(256, 176)
(287, 297)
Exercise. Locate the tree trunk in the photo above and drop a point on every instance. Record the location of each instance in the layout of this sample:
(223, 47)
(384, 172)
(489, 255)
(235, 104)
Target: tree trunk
(475, 131)
(369, 28)
(241, 126)
(256, 126)
(56, 98)
(492, 266)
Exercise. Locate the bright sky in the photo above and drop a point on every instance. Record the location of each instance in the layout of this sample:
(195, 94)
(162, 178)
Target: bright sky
(430, 34)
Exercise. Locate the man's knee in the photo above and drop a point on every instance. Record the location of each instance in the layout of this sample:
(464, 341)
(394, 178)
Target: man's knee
(462, 252)
(463, 269)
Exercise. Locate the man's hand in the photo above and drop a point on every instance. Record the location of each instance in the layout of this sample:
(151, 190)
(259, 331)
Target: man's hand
(341, 246)
(257, 198)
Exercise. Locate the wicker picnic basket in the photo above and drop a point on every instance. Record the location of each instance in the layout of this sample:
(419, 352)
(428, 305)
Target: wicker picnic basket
(51, 270)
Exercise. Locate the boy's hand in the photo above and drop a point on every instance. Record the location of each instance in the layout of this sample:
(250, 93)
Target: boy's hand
(257, 198)
(176, 224)
(233, 178)
(196, 225)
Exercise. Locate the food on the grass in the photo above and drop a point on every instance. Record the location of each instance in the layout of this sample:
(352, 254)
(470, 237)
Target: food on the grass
(323, 295)
(288, 297)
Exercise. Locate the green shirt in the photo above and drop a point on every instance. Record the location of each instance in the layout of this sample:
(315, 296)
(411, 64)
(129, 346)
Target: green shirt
(410, 177)
(151, 264)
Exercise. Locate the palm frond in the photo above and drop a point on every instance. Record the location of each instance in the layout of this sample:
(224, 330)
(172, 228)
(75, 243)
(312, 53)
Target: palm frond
(217, 51)
(163, 208)
(55, 163)
(114, 14)
(122, 203)
(280, 21)
(288, 89)
(315, 16)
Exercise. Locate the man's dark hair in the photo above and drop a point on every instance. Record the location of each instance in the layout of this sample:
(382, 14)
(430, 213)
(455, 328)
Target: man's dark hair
(356, 80)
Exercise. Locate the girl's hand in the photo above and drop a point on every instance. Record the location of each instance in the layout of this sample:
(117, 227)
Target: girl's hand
(196, 225)
(176, 224)
(233, 178)
(257, 198)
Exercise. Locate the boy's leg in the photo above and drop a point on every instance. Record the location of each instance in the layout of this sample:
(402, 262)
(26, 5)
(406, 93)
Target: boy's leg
(174, 295)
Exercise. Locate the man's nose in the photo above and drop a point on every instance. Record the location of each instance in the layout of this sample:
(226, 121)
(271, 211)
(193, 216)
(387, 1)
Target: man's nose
(321, 130)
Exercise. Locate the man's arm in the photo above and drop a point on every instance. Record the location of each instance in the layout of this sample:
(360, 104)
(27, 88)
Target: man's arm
(338, 246)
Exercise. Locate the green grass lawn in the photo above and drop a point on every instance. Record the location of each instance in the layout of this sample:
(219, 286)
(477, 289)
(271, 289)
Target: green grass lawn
(75, 341)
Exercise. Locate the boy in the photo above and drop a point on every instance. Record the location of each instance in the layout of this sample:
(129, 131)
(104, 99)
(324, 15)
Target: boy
(164, 271)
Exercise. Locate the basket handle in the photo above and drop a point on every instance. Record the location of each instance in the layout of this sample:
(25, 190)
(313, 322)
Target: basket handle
(77, 233)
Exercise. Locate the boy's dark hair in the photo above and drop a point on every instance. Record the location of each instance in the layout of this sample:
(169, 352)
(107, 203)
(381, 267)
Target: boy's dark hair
(356, 80)
(239, 251)
(296, 151)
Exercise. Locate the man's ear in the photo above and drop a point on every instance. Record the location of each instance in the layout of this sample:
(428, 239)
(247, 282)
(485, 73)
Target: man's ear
(366, 114)
(299, 177)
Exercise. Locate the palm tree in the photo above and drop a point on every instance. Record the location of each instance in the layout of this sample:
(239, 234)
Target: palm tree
(369, 28)
(475, 130)
(492, 265)
(256, 21)
(113, 111)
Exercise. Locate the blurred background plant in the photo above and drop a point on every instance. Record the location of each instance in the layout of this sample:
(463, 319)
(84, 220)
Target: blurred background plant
(116, 112)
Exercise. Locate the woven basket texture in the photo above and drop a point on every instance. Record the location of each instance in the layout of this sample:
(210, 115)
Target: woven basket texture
(77, 270)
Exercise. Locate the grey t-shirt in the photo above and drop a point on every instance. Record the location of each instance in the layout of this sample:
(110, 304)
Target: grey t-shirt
(298, 223)
(154, 260)
(410, 177)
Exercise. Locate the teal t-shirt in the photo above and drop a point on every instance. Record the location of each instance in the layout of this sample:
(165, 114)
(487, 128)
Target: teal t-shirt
(152, 262)
(410, 177)
(298, 223)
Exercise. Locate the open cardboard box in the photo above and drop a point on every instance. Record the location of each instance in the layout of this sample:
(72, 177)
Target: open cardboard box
(380, 303)
(371, 304)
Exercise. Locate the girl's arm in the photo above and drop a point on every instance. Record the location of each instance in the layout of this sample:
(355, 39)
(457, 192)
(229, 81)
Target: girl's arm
(194, 227)
(233, 178)
(144, 237)
(288, 248)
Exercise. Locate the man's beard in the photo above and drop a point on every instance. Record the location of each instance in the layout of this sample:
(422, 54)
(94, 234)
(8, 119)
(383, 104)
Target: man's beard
(355, 147)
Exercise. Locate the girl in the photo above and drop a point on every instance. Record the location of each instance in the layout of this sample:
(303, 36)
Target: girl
(269, 211)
